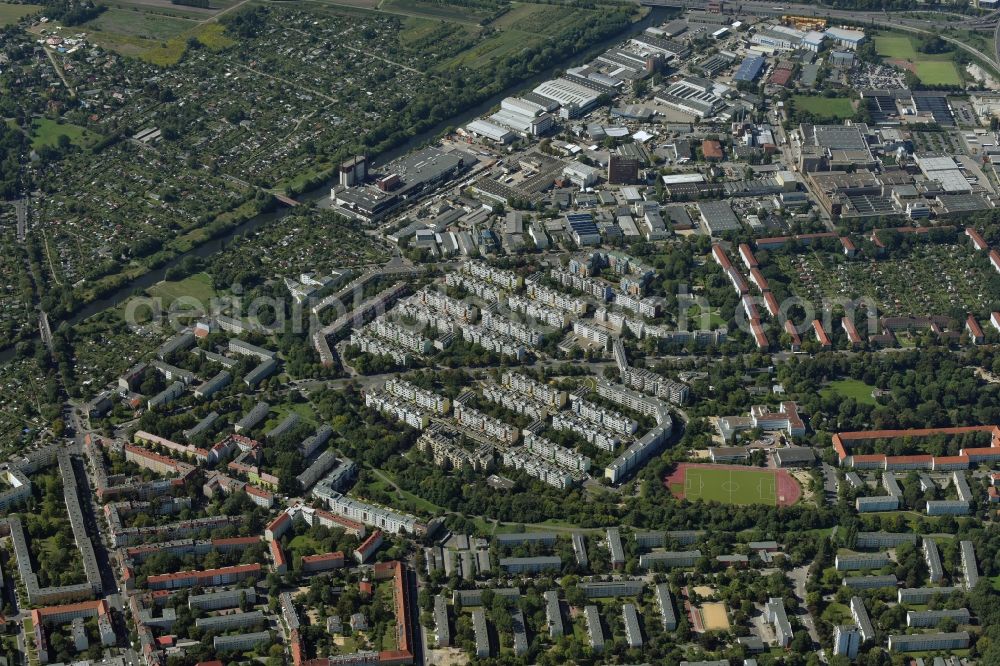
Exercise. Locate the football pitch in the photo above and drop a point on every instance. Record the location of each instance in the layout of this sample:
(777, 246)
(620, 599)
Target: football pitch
(730, 484)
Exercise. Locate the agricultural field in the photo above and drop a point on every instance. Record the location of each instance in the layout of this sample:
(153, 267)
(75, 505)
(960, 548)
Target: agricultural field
(439, 11)
(11, 13)
(931, 69)
(733, 485)
(140, 24)
(898, 286)
(523, 26)
(837, 108)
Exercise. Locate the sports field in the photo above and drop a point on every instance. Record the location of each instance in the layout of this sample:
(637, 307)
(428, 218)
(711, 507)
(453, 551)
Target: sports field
(714, 617)
(734, 484)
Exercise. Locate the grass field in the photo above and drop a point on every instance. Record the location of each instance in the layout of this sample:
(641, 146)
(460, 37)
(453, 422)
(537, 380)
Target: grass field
(198, 287)
(895, 46)
(837, 613)
(304, 544)
(161, 40)
(730, 486)
(938, 72)
(851, 388)
(733, 484)
(932, 69)
(10, 14)
(140, 24)
(825, 107)
(46, 132)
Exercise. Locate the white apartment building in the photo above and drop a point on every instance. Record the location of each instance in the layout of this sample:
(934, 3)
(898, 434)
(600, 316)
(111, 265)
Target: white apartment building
(544, 393)
(423, 398)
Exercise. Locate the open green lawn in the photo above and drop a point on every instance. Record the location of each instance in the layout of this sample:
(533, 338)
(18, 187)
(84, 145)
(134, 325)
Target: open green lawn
(715, 320)
(826, 107)
(46, 132)
(851, 388)
(197, 287)
(304, 545)
(837, 613)
(730, 486)
(10, 14)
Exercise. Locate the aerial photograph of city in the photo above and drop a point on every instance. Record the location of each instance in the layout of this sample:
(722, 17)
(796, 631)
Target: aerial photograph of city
(499, 332)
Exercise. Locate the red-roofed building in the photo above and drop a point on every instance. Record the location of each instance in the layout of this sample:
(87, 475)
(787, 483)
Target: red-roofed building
(749, 308)
(995, 260)
(995, 320)
(42, 618)
(844, 440)
(780, 77)
(786, 418)
(758, 334)
(779, 241)
(849, 248)
(367, 548)
(771, 303)
(738, 281)
(712, 150)
(721, 257)
(332, 520)
(746, 254)
(758, 279)
(793, 334)
(165, 641)
(324, 562)
(821, 336)
(278, 557)
(978, 241)
(295, 647)
(259, 496)
(950, 463)
(852, 332)
(403, 654)
(220, 576)
(975, 331)
(278, 527)
(994, 494)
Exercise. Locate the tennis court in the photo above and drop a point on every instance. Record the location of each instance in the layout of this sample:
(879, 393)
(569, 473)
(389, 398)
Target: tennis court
(733, 484)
